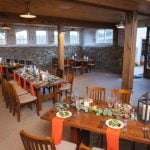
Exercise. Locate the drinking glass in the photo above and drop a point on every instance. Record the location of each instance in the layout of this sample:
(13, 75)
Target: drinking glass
(78, 103)
(125, 126)
(109, 102)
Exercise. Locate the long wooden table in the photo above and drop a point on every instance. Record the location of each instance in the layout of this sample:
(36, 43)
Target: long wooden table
(44, 96)
(90, 122)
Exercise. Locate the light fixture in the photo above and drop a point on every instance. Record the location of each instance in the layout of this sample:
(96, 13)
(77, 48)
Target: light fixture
(27, 13)
(121, 25)
(5, 27)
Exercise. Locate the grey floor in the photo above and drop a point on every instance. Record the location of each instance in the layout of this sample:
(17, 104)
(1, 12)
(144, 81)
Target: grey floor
(9, 127)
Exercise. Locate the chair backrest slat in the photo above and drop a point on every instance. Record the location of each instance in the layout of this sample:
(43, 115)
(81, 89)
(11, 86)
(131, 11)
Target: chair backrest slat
(122, 94)
(96, 93)
(31, 142)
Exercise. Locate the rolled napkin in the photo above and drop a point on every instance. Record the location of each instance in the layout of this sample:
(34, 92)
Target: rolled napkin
(19, 80)
(1, 70)
(15, 78)
(57, 129)
(32, 89)
(112, 136)
(25, 83)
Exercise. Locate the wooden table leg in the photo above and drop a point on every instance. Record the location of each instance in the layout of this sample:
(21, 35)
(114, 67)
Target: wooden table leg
(78, 136)
(55, 94)
(74, 135)
(39, 100)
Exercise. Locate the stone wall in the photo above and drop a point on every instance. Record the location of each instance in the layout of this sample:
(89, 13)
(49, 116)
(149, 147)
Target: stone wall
(107, 58)
(41, 56)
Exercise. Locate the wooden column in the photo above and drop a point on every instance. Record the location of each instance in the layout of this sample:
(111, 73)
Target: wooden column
(129, 50)
(60, 48)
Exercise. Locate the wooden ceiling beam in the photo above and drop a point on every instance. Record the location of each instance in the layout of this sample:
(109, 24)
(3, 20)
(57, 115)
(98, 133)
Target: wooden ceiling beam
(142, 7)
(45, 20)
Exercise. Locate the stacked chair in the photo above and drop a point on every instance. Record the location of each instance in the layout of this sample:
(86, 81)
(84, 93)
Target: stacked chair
(16, 97)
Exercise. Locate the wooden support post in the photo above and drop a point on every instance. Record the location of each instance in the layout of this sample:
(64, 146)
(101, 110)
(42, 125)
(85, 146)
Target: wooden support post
(60, 49)
(129, 50)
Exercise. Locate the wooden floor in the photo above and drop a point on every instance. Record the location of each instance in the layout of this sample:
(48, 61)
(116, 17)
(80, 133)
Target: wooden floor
(9, 127)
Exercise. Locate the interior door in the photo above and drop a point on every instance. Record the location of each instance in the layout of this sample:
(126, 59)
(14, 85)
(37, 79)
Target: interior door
(147, 55)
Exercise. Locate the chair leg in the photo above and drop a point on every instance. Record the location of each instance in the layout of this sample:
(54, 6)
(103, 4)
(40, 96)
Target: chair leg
(19, 111)
(132, 145)
(37, 109)
(148, 147)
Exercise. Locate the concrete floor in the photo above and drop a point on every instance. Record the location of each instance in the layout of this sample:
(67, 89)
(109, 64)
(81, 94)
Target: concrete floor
(9, 127)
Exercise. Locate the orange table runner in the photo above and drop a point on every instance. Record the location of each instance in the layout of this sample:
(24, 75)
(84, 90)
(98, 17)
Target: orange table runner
(25, 83)
(19, 80)
(1, 70)
(15, 78)
(112, 136)
(57, 129)
(32, 89)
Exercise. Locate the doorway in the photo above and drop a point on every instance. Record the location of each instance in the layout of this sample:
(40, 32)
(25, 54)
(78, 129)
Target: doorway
(139, 55)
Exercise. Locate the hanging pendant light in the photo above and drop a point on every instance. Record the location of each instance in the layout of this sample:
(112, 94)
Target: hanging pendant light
(121, 25)
(5, 27)
(27, 13)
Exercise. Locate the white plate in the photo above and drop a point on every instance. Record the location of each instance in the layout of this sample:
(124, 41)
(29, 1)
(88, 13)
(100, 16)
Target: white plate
(69, 114)
(121, 124)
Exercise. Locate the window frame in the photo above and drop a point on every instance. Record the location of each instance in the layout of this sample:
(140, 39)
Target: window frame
(25, 39)
(46, 37)
(105, 38)
(1, 39)
(77, 40)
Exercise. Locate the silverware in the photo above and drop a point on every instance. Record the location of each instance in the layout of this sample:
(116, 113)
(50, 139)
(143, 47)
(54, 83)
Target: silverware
(101, 124)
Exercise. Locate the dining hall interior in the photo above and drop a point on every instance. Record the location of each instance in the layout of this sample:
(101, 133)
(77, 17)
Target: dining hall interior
(74, 75)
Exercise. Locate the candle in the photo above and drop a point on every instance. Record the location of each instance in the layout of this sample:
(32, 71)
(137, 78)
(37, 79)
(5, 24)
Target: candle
(144, 111)
(86, 106)
(43, 77)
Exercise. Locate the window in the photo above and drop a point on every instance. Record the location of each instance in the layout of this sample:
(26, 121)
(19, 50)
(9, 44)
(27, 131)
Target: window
(21, 37)
(55, 37)
(104, 36)
(2, 38)
(74, 37)
(41, 37)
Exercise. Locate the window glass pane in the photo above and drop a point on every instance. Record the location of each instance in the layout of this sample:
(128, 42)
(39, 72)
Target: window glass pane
(74, 37)
(2, 38)
(41, 37)
(148, 65)
(108, 36)
(148, 57)
(100, 36)
(55, 37)
(21, 37)
(104, 36)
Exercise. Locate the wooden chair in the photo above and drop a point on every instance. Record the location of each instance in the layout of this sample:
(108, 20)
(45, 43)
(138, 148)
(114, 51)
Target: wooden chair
(67, 88)
(31, 142)
(75, 66)
(84, 147)
(59, 73)
(96, 93)
(67, 65)
(53, 70)
(121, 94)
(17, 102)
(91, 65)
